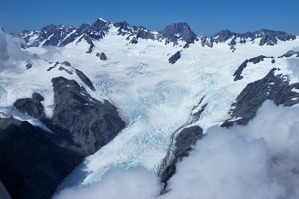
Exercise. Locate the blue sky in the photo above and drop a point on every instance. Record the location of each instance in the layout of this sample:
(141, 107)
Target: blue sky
(204, 17)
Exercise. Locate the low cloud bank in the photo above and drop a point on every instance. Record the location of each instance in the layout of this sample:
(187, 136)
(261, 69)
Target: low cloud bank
(258, 161)
(118, 183)
(10, 51)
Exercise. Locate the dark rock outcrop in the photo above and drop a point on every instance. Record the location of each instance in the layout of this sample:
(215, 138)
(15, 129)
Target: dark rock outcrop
(268, 37)
(255, 60)
(134, 31)
(50, 35)
(38, 97)
(290, 53)
(28, 65)
(102, 56)
(180, 147)
(175, 57)
(134, 41)
(85, 79)
(223, 36)
(90, 123)
(272, 87)
(32, 162)
(238, 73)
(62, 35)
(205, 41)
(31, 106)
(123, 27)
(77, 34)
(89, 41)
(80, 119)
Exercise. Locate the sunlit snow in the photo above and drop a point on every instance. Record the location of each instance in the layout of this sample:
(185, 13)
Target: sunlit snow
(155, 98)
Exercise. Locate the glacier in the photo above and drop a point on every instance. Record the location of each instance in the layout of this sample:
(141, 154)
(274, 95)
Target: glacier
(155, 98)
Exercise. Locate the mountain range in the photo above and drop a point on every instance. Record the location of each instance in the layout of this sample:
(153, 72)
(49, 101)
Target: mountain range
(78, 101)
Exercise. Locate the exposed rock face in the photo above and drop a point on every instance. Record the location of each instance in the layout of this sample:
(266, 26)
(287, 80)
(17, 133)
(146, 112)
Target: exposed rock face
(102, 56)
(255, 60)
(134, 41)
(268, 37)
(175, 57)
(78, 33)
(51, 35)
(38, 97)
(290, 53)
(85, 79)
(223, 36)
(91, 123)
(62, 35)
(89, 41)
(28, 65)
(134, 31)
(123, 27)
(273, 87)
(205, 41)
(179, 148)
(179, 31)
(32, 162)
(98, 29)
(31, 106)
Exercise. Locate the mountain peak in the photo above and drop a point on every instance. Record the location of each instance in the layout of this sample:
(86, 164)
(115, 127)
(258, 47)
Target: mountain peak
(179, 31)
(266, 36)
(49, 27)
(99, 23)
(177, 28)
(270, 37)
(224, 35)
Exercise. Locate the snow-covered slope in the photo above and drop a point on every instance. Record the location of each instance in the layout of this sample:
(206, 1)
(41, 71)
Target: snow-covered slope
(154, 97)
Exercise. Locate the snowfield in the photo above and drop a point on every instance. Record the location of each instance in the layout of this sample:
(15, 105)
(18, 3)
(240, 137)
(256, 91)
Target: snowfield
(154, 97)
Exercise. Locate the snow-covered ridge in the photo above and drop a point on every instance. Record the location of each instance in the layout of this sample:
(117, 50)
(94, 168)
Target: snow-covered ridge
(62, 35)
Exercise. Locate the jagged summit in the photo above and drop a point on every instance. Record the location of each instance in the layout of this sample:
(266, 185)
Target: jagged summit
(53, 35)
(99, 25)
(61, 35)
(179, 31)
(267, 37)
(224, 35)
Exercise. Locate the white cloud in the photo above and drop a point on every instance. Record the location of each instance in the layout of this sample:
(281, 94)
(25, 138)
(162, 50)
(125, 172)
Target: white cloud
(10, 52)
(126, 184)
(257, 161)
(293, 65)
(3, 47)
(279, 128)
(225, 166)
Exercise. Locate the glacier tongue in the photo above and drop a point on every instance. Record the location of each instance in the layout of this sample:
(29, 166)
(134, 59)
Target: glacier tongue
(152, 115)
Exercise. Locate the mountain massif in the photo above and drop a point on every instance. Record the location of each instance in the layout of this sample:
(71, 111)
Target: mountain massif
(78, 101)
